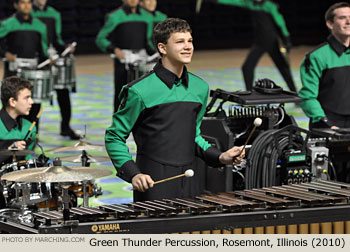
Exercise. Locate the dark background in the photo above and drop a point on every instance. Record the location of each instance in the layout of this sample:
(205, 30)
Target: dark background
(216, 27)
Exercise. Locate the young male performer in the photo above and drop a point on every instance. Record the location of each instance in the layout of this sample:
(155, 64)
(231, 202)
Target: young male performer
(164, 111)
(17, 102)
(52, 19)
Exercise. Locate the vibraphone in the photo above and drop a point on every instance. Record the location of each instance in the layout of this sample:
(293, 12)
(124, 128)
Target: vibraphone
(316, 207)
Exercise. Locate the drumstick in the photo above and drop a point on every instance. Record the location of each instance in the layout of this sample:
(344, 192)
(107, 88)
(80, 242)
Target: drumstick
(33, 124)
(46, 62)
(188, 173)
(257, 123)
(198, 5)
(68, 49)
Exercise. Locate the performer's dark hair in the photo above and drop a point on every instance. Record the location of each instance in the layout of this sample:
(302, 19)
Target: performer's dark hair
(163, 30)
(329, 16)
(16, 1)
(10, 88)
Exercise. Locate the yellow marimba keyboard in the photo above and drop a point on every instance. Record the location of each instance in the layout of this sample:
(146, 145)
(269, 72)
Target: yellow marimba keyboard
(321, 207)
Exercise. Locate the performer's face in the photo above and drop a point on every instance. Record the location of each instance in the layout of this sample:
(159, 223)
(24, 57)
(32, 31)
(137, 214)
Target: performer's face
(179, 48)
(149, 5)
(340, 27)
(132, 3)
(23, 103)
(39, 2)
(23, 6)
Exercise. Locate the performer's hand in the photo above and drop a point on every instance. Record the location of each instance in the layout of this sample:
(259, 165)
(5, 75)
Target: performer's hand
(232, 155)
(21, 145)
(142, 182)
(334, 127)
(120, 54)
(10, 57)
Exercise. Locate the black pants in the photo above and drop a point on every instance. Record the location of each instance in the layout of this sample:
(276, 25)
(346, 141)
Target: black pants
(280, 61)
(177, 188)
(64, 103)
(341, 166)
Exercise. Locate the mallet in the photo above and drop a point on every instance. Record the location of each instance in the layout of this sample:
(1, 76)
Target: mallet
(257, 123)
(188, 173)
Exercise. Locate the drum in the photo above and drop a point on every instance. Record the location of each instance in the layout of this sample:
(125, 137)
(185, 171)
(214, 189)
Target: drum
(42, 82)
(64, 73)
(18, 165)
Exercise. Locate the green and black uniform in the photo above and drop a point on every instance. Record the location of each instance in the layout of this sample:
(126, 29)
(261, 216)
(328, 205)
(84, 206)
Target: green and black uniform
(52, 19)
(25, 39)
(164, 113)
(125, 30)
(269, 28)
(325, 74)
(11, 131)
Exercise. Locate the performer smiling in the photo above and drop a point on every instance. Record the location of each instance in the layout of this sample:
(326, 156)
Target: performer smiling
(164, 111)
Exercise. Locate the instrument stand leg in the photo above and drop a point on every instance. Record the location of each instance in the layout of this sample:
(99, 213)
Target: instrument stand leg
(86, 196)
(85, 159)
(66, 200)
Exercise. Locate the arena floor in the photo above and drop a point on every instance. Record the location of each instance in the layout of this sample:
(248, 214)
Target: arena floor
(92, 104)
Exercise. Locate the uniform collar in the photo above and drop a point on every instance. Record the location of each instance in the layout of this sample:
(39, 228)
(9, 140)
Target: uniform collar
(168, 77)
(337, 46)
(127, 9)
(153, 13)
(36, 8)
(20, 18)
(8, 121)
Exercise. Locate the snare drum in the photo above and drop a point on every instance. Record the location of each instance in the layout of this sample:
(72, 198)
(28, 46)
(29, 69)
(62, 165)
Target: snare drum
(42, 82)
(64, 73)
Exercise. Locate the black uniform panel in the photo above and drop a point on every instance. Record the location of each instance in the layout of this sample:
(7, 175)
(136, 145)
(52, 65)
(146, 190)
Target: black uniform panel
(136, 38)
(265, 28)
(172, 125)
(177, 188)
(334, 91)
(24, 43)
(50, 27)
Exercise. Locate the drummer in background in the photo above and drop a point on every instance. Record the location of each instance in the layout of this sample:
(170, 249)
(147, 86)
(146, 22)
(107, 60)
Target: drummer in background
(52, 19)
(129, 27)
(23, 36)
(151, 6)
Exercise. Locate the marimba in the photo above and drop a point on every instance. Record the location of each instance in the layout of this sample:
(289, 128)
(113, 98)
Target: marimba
(311, 208)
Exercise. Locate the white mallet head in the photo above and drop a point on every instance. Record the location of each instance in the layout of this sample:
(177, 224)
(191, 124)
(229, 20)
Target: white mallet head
(257, 122)
(189, 173)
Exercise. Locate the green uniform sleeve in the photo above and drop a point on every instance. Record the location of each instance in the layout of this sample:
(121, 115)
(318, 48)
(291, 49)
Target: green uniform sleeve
(268, 7)
(101, 41)
(115, 139)
(310, 73)
(3, 33)
(59, 28)
(204, 150)
(199, 139)
(44, 42)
